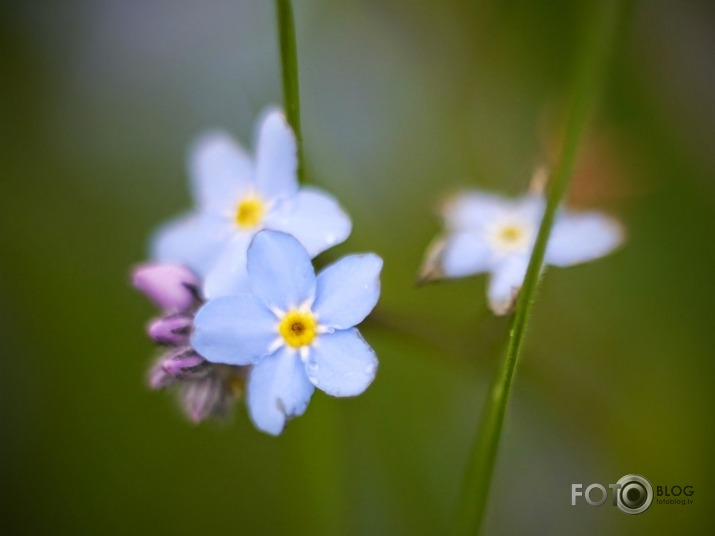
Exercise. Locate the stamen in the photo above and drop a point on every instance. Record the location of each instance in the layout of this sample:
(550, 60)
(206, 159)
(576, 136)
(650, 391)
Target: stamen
(511, 233)
(249, 212)
(510, 236)
(298, 328)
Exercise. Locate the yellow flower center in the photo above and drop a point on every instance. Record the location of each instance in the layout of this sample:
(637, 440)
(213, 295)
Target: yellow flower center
(298, 328)
(511, 234)
(250, 212)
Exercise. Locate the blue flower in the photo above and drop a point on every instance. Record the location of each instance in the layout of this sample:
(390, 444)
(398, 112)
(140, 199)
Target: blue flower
(297, 329)
(237, 196)
(489, 233)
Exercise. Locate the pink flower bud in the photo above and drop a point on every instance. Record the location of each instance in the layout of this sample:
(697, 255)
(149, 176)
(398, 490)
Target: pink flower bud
(186, 365)
(205, 398)
(158, 378)
(171, 287)
(173, 329)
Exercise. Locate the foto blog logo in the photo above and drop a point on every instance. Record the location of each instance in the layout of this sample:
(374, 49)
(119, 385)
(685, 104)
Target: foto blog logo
(632, 494)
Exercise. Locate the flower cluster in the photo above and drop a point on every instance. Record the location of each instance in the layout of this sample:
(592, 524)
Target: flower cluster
(489, 233)
(242, 305)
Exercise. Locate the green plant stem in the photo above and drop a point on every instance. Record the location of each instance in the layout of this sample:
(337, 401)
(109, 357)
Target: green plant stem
(590, 64)
(318, 450)
(289, 72)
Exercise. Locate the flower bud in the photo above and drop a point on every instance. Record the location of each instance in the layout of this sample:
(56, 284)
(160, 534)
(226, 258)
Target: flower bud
(158, 377)
(206, 398)
(186, 365)
(173, 330)
(171, 287)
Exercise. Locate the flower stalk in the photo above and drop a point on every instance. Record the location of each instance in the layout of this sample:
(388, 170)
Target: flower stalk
(319, 449)
(289, 72)
(590, 67)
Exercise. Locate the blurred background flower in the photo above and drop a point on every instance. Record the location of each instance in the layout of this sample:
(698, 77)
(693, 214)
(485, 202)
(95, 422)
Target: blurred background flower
(402, 103)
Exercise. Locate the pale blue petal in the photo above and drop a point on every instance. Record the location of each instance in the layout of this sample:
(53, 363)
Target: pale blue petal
(228, 275)
(476, 211)
(221, 172)
(314, 217)
(276, 157)
(192, 241)
(465, 253)
(341, 363)
(582, 237)
(278, 390)
(505, 283)
(473, 210)
(530, 208)
(280, 271)
(347, 291)
(237, 330)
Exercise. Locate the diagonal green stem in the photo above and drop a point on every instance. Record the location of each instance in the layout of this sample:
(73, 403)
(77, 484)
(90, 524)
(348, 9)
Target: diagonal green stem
(590, 67)
(289, 71)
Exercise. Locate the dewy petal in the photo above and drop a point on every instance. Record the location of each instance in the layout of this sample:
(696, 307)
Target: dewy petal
(278, 389)
(170, 286)
(473, 209)
(276, 157)
(347, 290)
(314, 217)
(582, 237)
(228, 275)
(505, 283)
(221, 172)
(237, 330)
(193, 241)
(280, 271)
(465, 253)
(341, 363)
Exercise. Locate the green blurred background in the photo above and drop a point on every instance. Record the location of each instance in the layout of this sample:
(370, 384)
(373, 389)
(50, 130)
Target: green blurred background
(403, 102)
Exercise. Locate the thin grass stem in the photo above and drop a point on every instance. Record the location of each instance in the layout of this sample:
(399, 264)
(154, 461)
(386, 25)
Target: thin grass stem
(289, 75)
(590, 64)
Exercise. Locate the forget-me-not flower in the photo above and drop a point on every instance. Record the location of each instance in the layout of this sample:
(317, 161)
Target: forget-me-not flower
(296, 328)
(489, 233)
(237, 196)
